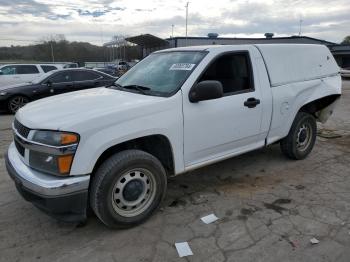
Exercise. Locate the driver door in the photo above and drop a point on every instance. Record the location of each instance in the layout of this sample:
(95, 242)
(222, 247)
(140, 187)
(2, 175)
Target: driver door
(217, 128)
(59, 83)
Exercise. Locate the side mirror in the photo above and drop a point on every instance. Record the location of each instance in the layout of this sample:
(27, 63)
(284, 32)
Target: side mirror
(206, 90)
(1, 73)
(49, 83)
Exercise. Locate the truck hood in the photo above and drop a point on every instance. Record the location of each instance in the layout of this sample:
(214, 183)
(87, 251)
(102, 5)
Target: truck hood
(69, 111)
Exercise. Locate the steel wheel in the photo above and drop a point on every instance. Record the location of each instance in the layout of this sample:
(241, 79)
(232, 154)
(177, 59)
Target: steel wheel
(304, 137)
(133, 193)
(301, 137)
(127, 188)
(16, 103)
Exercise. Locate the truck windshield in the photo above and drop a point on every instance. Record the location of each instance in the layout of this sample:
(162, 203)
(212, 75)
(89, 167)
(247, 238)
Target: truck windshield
(160, 74)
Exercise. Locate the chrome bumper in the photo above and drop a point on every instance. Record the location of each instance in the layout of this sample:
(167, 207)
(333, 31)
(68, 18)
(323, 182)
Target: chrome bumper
(40, 183)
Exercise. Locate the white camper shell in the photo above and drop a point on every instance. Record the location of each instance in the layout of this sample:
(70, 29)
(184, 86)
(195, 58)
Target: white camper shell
(295, 63)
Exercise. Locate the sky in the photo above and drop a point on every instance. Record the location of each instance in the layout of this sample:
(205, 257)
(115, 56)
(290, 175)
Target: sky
(96, 21)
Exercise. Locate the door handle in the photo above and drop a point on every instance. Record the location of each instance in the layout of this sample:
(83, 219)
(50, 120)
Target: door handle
(251, 102)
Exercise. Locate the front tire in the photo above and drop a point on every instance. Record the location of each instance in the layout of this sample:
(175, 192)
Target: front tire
(127, 188)
(301, 137)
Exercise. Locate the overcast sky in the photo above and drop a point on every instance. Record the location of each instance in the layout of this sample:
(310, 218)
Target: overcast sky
(96, 21)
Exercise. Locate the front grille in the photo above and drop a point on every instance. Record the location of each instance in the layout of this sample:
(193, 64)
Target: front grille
(20, 148)
(21, 129)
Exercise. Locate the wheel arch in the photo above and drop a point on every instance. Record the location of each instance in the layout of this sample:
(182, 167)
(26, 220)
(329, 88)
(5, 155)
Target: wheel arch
(157, 145)
(319, 104)
(19, 94)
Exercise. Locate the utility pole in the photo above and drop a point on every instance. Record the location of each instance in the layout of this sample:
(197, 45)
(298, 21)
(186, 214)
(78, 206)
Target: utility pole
(124, 44)
(52, 56)
(300, 22)
(186, 19)
(172, 31)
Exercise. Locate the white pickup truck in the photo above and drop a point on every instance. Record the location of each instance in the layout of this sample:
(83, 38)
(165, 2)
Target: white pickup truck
(112, 149)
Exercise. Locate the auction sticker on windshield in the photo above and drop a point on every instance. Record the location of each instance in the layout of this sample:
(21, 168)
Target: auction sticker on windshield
(182, 66)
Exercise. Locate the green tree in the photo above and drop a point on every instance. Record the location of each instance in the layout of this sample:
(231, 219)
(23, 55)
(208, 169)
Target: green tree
(346, 40)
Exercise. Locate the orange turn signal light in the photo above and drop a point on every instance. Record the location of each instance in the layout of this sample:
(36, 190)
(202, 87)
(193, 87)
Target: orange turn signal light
(65, 163)
(68, 138)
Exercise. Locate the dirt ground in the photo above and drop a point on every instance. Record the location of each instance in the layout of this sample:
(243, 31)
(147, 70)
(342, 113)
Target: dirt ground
(269, 209)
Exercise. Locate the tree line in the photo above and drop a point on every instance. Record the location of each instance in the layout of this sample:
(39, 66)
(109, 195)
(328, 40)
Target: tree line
(58, 49)
(346, 40)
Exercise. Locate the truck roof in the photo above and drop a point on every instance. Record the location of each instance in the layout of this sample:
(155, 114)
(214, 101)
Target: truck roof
(285, 63)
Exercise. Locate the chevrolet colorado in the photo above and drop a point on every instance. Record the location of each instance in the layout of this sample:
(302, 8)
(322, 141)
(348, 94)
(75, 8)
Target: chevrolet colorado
(113, 148)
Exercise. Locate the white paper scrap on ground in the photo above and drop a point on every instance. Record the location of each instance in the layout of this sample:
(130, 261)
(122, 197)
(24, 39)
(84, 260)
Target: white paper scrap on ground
(183, 249)
(314, 241)
(209, 218)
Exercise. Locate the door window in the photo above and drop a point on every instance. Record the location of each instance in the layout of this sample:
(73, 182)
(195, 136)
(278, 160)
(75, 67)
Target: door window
(233, 71)
(62, 77)
(9, 70)
(27, 69)
(85, 75)
(48, 68)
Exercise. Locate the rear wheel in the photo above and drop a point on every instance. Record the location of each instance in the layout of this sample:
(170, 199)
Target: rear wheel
(301, 137)
(127, 188)
(16, 103)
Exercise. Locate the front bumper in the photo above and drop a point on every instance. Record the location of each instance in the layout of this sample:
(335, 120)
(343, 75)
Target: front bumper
(63, 198)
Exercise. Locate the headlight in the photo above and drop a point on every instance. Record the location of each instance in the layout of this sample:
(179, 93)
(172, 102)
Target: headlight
(3, 93)
(53, 151)
(54, 138)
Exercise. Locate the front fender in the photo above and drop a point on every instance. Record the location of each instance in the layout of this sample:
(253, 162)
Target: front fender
(167, 123)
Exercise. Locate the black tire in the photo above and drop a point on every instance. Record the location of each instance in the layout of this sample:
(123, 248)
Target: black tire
(108, 177)
(292, 145)
(16, 102)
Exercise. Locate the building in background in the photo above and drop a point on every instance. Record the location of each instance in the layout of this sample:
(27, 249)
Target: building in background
(341, 54)
(149, 43)
(213, 39)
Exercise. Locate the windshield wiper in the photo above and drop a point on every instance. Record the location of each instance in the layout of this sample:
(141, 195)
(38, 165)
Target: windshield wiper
(115, 85)
(141, 89)
(138, 88)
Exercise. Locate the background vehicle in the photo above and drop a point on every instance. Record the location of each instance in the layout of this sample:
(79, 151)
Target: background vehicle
(122, 65)
(70, 65)
(345, 72)
(106, 70)
(175, 111)
(20, 73)
(54, 82)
